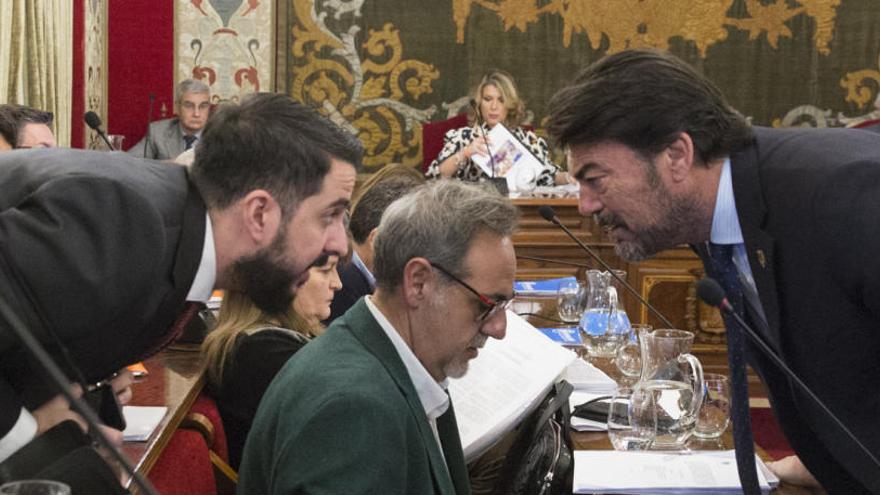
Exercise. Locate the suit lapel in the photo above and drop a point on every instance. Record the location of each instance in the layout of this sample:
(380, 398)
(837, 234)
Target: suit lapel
(373, 338)
(173, 139)
(759, 245)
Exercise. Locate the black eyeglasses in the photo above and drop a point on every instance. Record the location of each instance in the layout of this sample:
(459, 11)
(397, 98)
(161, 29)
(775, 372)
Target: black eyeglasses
(493, 306)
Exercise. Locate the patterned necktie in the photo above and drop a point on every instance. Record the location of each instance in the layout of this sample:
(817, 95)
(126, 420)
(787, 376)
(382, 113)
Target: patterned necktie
(189, 140)
(450, 443)
(725, 272)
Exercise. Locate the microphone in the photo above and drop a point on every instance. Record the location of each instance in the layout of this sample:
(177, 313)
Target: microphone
(78, 404)
(149, 120)
(547, 212)
(94, 123)
(712, 294)
(500, 183)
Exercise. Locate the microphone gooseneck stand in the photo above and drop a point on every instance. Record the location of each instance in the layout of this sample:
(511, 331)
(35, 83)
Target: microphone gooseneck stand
(77, 403)
(549, 215)
(711, 293)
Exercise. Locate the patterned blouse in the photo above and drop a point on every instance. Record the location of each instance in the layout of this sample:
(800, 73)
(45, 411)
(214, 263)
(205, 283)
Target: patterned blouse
(457, 139)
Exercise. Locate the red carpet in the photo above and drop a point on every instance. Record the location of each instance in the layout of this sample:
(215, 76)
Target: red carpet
(767, 433)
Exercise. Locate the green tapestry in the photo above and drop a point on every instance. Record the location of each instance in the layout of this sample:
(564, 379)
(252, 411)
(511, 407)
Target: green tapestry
(382, 67)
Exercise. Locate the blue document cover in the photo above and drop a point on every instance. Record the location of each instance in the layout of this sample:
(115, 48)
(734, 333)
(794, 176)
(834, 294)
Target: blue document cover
(540, 287)
(563, 335)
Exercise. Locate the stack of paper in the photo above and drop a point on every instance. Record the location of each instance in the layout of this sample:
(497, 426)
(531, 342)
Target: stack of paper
(504, 384)
(612, 472)
(140, 421)
(590, 383)
(540, 288)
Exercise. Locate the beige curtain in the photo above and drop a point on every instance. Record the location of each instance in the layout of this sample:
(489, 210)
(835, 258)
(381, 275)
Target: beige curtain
(36, 58)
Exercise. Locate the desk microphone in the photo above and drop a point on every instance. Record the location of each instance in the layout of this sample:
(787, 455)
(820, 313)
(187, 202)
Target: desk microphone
(77, 403)
(94, 123)
(549, 215)
(149, 119)
(500, 183)
(712, 294)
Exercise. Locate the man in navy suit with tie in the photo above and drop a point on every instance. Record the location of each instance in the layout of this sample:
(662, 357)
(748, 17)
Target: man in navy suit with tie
(785, 219)
(357, 275)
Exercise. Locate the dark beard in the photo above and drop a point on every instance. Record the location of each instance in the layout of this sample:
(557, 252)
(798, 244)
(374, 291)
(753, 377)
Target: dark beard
(680, 217)
(265, 279)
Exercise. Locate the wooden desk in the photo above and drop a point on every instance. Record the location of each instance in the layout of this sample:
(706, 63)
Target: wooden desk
(175, 380)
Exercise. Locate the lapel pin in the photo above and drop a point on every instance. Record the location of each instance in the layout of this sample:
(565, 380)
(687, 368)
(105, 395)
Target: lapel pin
(761, 259)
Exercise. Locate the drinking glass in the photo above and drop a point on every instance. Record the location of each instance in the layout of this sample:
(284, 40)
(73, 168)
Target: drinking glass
(116, 141)
(715, 412)
(629, 355)
(34, 487)
(570, 301)
(624, 433)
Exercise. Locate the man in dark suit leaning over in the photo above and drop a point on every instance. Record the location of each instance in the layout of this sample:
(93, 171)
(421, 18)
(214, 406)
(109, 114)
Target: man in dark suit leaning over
(357, 275)
(169, 138)
(104, 250)
(362, 409)
(662, 160)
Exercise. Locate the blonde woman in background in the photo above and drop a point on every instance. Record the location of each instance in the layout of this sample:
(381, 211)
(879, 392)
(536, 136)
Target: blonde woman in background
(498, 102)
(248, 347)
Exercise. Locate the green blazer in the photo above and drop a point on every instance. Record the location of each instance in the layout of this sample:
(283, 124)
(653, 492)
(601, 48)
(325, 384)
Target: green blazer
(342, 416)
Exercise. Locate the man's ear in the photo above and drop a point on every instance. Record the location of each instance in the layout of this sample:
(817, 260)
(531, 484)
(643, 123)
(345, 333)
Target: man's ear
(419, 282)
(260, 216)
(371, 237)
(680, 157)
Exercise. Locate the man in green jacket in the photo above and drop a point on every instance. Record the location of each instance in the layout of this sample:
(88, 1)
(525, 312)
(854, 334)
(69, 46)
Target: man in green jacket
(363, 408)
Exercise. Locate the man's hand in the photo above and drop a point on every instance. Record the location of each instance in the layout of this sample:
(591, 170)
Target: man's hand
(792, 471)
(121, 385)
(57, 410)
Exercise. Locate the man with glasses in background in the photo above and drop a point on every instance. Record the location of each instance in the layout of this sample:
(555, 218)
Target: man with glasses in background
(23, 127)
(363, 408)
(169, 138)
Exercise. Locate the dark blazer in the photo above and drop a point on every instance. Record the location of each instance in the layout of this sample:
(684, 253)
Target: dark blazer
(100, 247)
(166, 141)
(354, 286)
(808, 203)
(342, 416)
(247, 373)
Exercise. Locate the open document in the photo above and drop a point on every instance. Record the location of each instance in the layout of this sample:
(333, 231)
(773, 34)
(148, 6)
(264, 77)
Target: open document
(512, 160)
(613, 472)
(504, 383)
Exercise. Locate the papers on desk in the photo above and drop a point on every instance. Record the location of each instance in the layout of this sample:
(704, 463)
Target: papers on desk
(140, 421)
(589, 384)
(540, 288)
(512, 160)
(504, 384)
(613, 472)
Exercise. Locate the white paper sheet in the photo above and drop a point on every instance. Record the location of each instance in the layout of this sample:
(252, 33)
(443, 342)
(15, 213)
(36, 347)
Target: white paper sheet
(504, 383)
(140, 421)
(613, 472)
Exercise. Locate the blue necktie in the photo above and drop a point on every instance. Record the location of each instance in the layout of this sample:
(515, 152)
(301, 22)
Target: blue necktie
(726, 274)
(188, 141)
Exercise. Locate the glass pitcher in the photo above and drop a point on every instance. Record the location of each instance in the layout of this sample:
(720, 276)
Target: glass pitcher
(604, 325)
(670, 389)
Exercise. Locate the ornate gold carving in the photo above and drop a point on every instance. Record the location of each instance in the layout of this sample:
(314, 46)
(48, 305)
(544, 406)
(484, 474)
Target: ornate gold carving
(653, 23)
(368, 96)
(862, 87)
